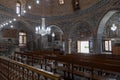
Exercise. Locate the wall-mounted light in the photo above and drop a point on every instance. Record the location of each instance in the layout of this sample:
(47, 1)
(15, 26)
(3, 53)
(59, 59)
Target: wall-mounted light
(11, 26)
(24, 11)
(29, 7)
(37, 1)
(53, 34)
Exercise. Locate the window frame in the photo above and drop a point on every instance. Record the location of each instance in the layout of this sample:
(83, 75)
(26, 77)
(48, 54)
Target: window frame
(18, 7)
(22, 39)
(79, 48)
(104, 46)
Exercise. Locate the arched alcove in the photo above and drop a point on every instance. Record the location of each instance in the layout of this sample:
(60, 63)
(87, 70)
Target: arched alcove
(52, 41)
(10, 36)
(103, 27)
(81, 31)
(57, 36)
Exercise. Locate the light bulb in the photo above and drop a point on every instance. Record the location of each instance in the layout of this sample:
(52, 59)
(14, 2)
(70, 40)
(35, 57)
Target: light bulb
(24, 11)
(14, 19)
(1, 25)
(37, 1)
(10, 21)
(6, 23)
(11, 26)
(29, 7)
(53, 34)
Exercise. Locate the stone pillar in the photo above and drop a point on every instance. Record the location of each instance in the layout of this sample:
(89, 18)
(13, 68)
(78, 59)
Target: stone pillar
(69, 46)
(44, 42)
(99, 44)
(66, 46)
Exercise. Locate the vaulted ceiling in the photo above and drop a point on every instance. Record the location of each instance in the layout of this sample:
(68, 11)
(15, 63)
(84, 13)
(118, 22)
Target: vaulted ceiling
(46, 8)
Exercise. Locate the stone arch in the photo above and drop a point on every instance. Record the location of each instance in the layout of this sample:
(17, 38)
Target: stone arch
(59, 35)
(101, 29)
(27, 25)
(23, 22)
(58, 28)
(81, 30)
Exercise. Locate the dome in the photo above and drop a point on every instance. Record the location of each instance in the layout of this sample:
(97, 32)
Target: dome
(49, 7)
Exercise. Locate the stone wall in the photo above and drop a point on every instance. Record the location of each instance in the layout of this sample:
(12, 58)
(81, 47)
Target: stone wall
(67, 21)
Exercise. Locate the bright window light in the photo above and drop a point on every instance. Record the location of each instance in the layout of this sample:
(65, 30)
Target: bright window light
(61, 1)
(18, 8)
(83, 46)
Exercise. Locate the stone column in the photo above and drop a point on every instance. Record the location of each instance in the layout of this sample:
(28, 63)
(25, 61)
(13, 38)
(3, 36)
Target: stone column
(66, 46)
(99, 44)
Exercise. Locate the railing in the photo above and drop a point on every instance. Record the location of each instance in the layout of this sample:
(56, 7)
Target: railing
(13, 70)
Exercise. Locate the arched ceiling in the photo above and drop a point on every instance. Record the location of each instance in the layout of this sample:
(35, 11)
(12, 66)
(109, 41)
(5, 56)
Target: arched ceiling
(49, 7)
(114, 19)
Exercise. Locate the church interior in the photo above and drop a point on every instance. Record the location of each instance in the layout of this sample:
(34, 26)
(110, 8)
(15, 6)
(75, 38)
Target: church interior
(59, 39)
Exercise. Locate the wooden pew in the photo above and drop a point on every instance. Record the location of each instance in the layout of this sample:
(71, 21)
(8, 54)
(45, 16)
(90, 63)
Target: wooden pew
(89, 63)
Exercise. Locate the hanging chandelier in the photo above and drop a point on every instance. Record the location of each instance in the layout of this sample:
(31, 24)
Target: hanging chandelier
(42, 30)
(114, 27)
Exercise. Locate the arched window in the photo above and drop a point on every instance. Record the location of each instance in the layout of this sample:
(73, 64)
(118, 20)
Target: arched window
(107, 45)
(22, 39)
(18, 7)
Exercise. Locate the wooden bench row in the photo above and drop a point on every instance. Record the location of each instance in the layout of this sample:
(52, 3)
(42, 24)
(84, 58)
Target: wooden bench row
(93, 66)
